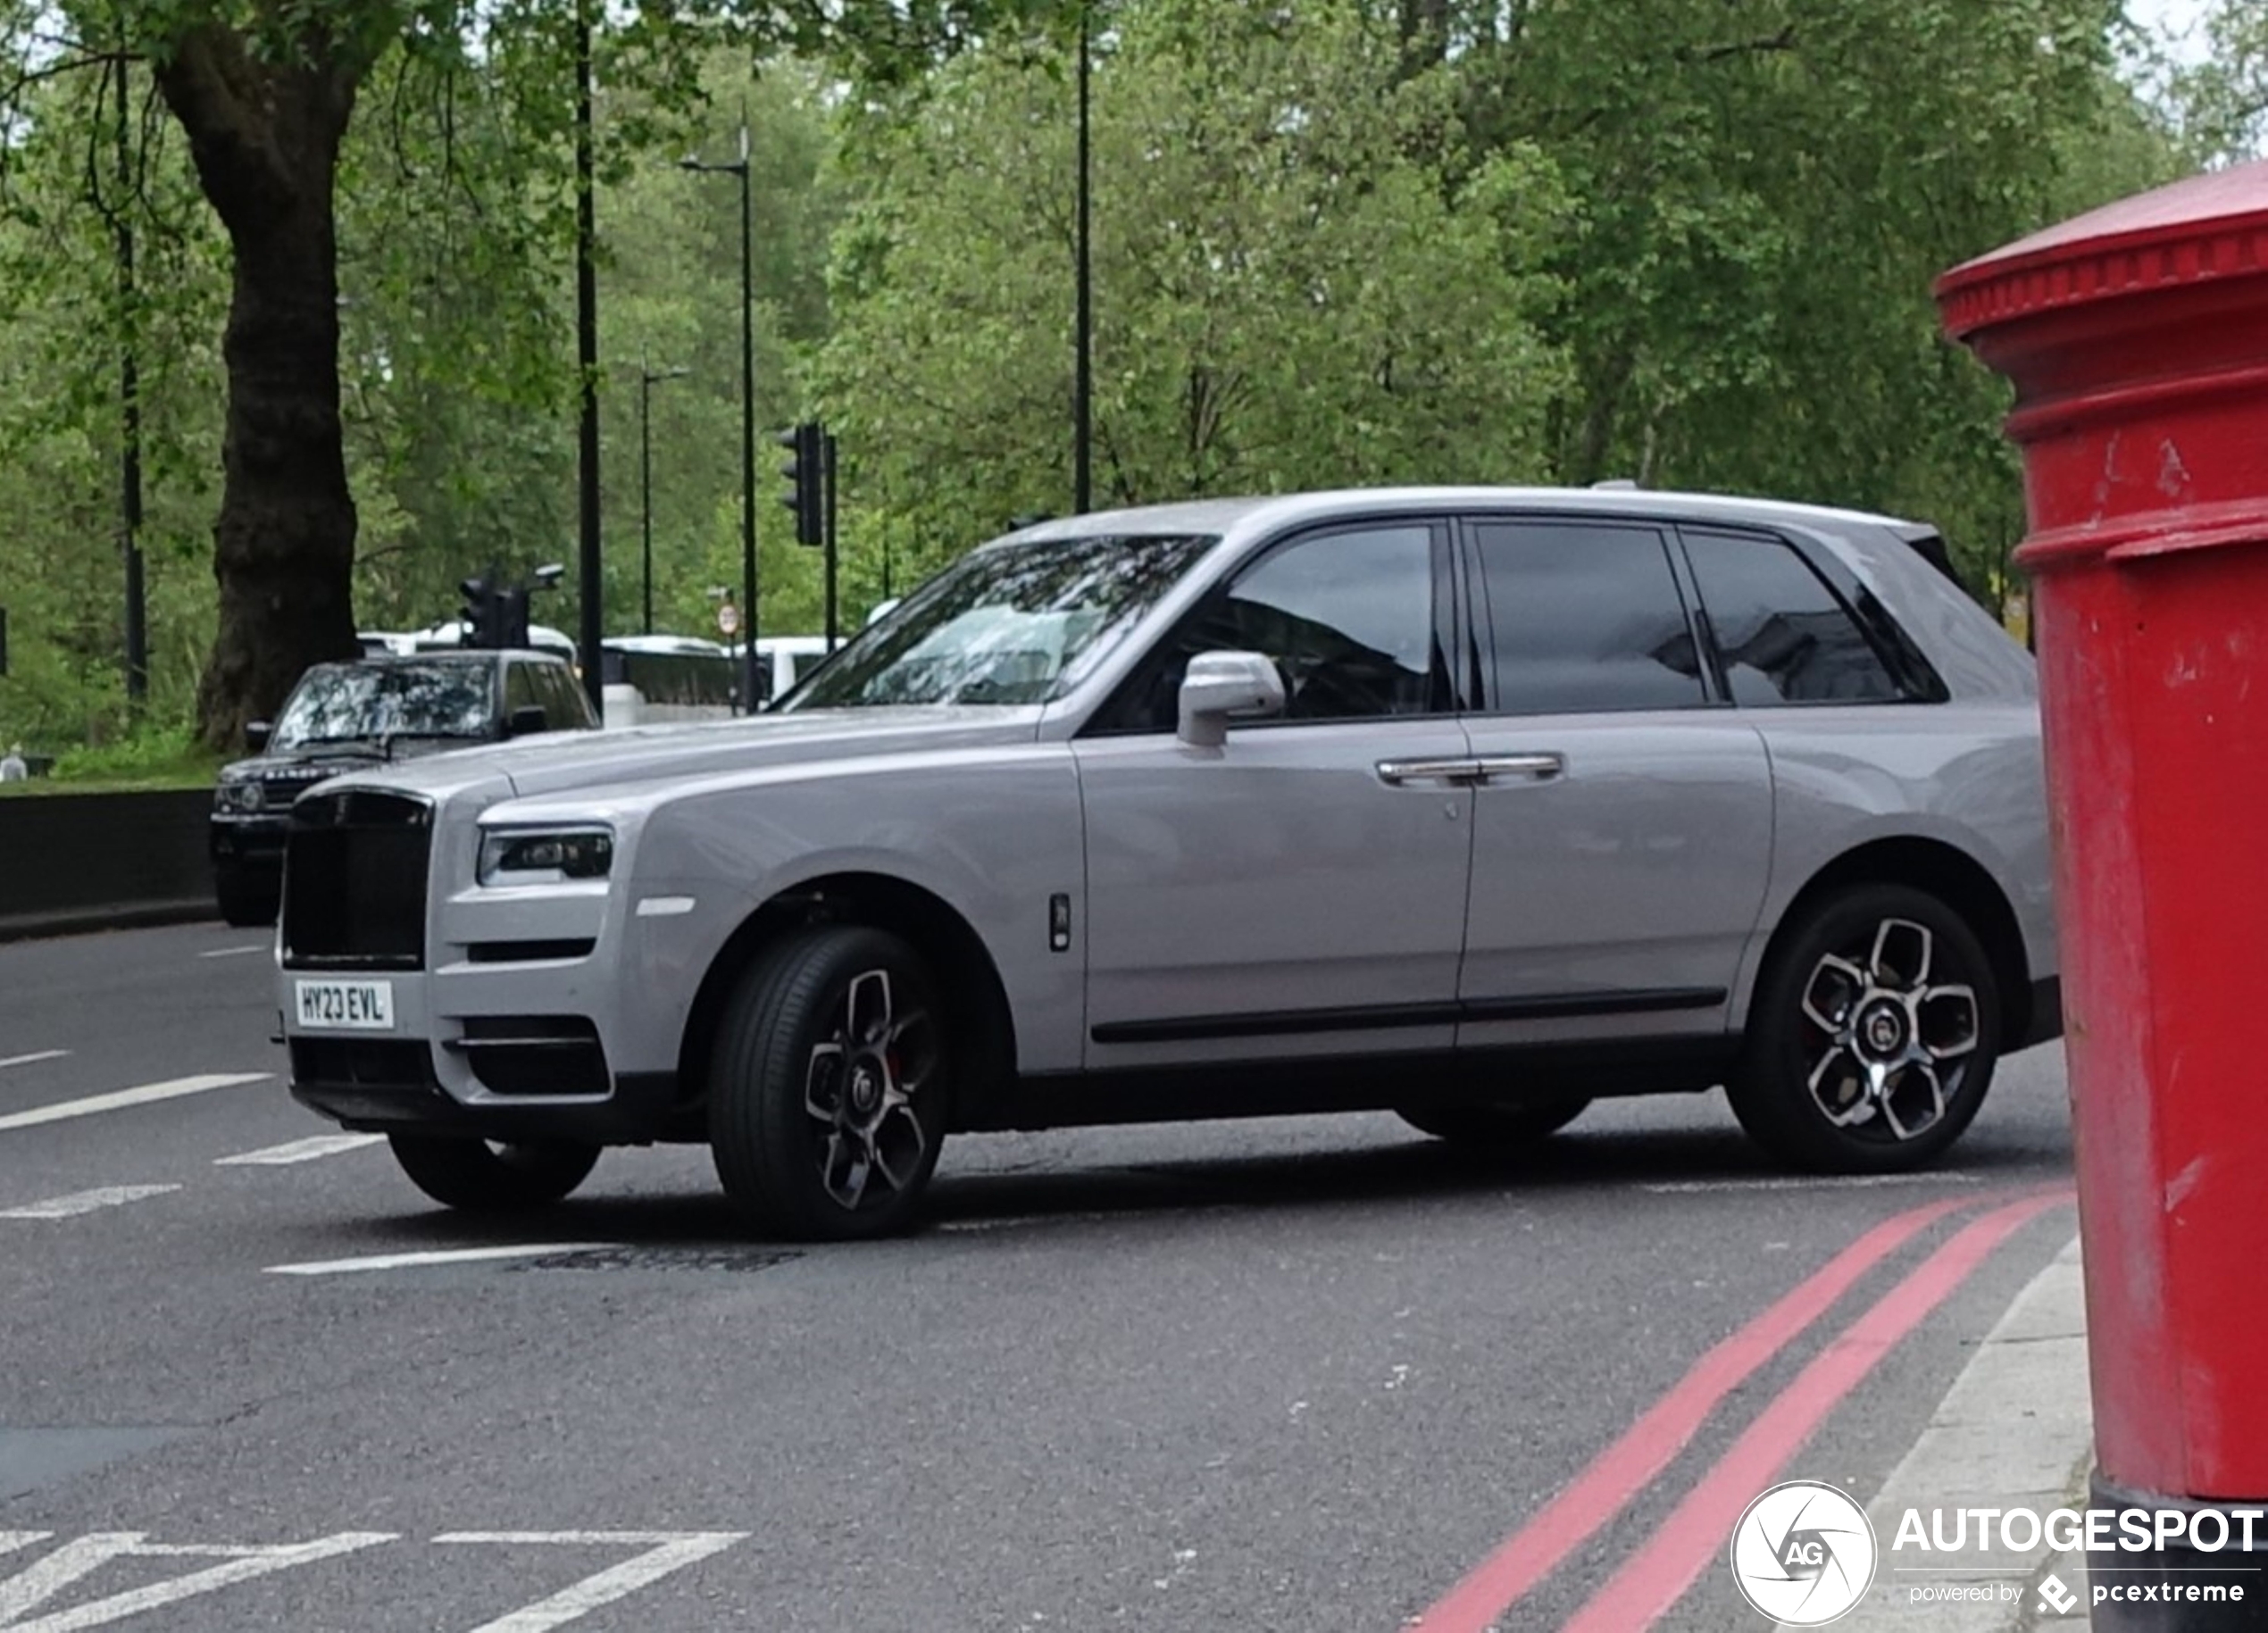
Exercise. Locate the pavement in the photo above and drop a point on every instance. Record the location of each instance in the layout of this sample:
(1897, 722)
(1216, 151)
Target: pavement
(1312, 1373)
(2014, 1431)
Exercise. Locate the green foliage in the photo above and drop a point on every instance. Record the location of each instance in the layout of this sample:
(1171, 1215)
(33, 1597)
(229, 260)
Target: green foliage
(2222, 100)
(1770, 191)
(65, 323)
(1340, 242)
(1287, 294)
(157, 758)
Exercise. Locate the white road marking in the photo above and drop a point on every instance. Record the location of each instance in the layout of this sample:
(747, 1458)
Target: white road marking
(34, 1058)
(234, 952)
(10, 1541)
(85, 1202)
(81, 1556)
(173, 1088)
(666, 1552)
(300, 1151)
(1823, 1182)
(451, 1255)
(1817, 1182)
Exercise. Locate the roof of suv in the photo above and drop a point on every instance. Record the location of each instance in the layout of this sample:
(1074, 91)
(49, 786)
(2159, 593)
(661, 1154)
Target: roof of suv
(1220, 515)
(452, 654)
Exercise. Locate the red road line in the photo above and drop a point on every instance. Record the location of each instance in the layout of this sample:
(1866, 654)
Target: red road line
(1646, 1447)
(1652, 1580)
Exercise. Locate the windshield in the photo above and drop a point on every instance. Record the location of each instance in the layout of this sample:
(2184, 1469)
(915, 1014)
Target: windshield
(345, 702)
(1018, 624)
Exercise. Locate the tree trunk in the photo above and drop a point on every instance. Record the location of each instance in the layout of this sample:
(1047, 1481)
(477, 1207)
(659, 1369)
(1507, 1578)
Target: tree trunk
(1602, 413)
(265, 140)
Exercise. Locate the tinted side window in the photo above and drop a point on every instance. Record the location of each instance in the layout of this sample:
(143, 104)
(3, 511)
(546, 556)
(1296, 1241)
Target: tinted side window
(1585, 618)
(562, 698)
(520, 689)
(1346, 616)
(1783, 636)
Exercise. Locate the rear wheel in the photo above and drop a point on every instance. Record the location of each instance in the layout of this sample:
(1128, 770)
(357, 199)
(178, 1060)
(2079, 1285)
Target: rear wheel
(826, 1093)
(1872, 1035)
(1492, 1125)
(247, 900)
(485, 1177)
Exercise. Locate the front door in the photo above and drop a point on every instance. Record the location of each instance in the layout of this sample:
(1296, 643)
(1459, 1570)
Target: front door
(1300, 889)
(1622, 829)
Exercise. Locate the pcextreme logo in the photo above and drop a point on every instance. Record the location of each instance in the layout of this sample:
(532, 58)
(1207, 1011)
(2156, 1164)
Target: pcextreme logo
(1804, 1554)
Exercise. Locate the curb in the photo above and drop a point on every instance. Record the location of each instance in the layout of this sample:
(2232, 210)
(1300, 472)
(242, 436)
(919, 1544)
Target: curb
(129, 915)
(2016, 1431)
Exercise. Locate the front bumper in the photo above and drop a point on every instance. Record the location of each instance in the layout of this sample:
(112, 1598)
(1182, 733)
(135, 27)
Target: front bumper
(545, 1011)
(394, 1086)
(247, 841)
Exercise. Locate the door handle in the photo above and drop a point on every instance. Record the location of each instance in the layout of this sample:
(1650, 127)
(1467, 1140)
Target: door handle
(1528, 768)
(1400, 772)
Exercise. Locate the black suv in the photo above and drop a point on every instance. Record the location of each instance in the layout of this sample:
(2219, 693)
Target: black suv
(344, 717)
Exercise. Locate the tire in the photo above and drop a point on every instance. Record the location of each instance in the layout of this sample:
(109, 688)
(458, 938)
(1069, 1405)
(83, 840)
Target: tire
(1492, 1125)
(476, 1176)
(246, 901)
(1873, 976)
(828, 1088)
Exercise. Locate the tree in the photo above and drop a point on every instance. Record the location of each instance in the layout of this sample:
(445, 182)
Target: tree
(1768, 191)
(265, 90)
(2222, 100)
(66, 320)
(1286, 295)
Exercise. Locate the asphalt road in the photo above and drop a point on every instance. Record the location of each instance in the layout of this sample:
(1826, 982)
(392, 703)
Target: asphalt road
(1288, 1374)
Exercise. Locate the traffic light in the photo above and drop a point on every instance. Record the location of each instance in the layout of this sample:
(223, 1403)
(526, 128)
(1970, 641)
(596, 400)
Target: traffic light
(806, 477)
(512, 617)
(482, 610)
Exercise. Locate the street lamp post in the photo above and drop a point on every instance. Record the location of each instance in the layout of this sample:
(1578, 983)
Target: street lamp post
(646, 376)
(740, 168)
(1083, 385)
(589, 565)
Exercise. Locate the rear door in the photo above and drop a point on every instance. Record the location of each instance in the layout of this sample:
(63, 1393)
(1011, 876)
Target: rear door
(1622, 828)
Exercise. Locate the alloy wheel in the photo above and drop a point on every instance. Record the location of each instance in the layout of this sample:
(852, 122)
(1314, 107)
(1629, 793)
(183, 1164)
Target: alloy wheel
(860, 1086)
(1890, 1044)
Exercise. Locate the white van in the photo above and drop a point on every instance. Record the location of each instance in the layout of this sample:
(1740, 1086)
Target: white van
(782, 660)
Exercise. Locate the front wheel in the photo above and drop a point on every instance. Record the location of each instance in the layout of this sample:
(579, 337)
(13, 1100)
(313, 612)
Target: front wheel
(477, 1176)
(1871, 1037)
(826, 1091)
(1492, 1125)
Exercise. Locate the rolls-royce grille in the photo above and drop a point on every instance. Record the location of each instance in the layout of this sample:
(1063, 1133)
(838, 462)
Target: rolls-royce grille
(354, 866)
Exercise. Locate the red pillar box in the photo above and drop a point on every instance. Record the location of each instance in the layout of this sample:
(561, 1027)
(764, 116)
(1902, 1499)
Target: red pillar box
(2136, 338)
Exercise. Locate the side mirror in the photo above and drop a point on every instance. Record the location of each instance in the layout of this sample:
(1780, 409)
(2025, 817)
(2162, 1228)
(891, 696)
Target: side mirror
(1219, 686)
(257, 735)
(527, 718)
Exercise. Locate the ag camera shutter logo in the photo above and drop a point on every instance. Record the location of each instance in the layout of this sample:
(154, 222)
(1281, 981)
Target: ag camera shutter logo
(1804, 1554)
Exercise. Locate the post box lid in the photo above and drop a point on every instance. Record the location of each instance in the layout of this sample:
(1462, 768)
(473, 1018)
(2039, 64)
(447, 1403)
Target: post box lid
(2210, 226)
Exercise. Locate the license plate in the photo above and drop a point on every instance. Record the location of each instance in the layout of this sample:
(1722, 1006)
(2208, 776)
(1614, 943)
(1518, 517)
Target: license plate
(354, 1006)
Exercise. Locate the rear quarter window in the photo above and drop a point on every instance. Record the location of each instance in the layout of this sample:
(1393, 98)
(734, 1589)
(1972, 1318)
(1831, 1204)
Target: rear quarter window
(1782, 636)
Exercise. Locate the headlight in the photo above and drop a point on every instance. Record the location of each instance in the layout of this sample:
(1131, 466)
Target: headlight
(238, 797)
(545, 856)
